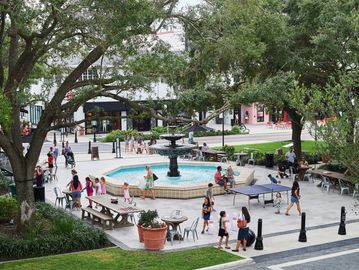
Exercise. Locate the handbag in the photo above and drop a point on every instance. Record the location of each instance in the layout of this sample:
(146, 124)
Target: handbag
(241, 223)
(155, 177)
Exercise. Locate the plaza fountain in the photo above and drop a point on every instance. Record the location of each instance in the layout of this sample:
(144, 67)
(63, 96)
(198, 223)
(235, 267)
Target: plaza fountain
(173, 150)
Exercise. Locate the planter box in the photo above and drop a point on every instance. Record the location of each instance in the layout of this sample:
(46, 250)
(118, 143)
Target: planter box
(140, 233)
(154, 238)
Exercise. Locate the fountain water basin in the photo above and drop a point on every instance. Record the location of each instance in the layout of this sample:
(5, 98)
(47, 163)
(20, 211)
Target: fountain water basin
(192, 183)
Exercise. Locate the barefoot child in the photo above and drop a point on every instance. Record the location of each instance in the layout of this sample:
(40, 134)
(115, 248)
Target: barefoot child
(210, 195)
(126, 192)
(206, 213)
(223, 229)
(103, 185)
(277, 202)
(89, 190)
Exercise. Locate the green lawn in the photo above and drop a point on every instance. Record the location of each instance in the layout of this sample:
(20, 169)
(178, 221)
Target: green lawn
(307, 146)
(121, 259)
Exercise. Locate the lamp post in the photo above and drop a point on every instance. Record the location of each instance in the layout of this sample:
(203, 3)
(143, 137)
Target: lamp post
(222, 129)
(94, 133)
(76, 141)
(55, 138)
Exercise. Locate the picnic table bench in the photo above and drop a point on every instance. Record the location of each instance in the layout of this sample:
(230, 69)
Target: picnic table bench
(101, 217)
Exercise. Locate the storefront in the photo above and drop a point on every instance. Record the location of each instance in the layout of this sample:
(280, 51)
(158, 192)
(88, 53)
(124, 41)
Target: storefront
(108, 116)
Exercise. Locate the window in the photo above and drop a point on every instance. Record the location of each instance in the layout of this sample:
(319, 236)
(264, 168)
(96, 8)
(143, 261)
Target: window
(35, 113)
(90, 74)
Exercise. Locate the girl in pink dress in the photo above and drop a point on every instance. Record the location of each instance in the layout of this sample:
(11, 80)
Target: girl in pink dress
(103, 185)
(126, 192)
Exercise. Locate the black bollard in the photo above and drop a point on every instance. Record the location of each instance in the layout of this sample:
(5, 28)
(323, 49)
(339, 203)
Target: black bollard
(89, 151)
(113, 147)
(259, 241)
(76, 141)
(303, 232)
(63, 144)
(342, 230)
(55, 138)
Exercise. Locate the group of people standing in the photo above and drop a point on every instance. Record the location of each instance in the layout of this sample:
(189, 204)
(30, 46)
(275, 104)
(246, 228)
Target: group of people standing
(242, 223)
(76, 188)
(138, 145)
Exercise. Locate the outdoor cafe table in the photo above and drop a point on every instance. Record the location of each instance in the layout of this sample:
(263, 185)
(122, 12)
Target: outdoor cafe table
(213, 154)
(332, 175)
(173, 221)
(121, 209)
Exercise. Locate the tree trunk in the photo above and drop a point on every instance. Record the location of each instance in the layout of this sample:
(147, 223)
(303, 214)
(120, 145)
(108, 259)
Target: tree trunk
(297, 128)
(23, 170)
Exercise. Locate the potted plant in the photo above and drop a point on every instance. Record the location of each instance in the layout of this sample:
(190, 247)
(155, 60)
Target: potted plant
(153, 230)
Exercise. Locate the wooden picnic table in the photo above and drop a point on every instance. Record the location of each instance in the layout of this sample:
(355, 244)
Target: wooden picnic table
(120, 209)
(332, 175)
(214, 155)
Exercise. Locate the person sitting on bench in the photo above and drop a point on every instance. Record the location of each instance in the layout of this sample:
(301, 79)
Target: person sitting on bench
(221, 179)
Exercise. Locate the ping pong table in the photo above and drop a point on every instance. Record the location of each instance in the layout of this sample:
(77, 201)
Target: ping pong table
(254, 191)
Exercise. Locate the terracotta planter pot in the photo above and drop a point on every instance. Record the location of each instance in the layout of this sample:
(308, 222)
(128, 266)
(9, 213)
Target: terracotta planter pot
(140, 233)
(154, 238)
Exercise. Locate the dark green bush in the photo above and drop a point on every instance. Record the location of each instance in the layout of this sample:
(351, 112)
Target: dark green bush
(334, 167)
(8, 209)
(229, 151)
(4, 183)
(53, 231)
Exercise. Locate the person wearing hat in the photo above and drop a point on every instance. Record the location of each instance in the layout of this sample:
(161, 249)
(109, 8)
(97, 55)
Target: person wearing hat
(75, 188)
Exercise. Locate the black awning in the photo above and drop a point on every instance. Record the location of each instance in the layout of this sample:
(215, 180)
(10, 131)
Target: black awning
(114, 106)
(111, 106)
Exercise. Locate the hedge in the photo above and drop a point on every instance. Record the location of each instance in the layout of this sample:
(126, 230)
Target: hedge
(53, 231)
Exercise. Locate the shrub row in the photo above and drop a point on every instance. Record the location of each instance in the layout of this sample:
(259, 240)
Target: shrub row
(311, 158)
(156, 132)
(53, 231)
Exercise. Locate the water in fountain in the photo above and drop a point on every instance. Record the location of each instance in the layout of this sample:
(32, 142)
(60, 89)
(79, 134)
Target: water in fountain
(173, 150)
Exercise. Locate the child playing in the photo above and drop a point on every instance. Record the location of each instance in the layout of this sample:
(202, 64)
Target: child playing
(206, 213)
(210, 195)
(273, 179)
(126, 193)
(97, 186)
(223, 230)
(277, 202)
(103, 185)
(89, 190)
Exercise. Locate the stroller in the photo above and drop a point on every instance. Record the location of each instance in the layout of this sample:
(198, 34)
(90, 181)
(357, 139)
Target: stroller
(69, 159)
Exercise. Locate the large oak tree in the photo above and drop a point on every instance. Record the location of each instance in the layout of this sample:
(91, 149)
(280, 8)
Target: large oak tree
(54, 42)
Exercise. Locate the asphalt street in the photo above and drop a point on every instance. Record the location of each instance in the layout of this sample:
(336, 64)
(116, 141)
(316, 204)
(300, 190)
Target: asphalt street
(270, 136)
(321, 257)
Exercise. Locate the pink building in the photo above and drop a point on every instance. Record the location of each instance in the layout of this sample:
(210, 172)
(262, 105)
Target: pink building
(252, 114)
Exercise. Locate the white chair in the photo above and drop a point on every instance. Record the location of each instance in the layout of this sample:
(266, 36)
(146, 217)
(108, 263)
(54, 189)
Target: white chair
(60, 197)
(132, 215)
(343, 187)
(173, 232)
(326, 183)
(251, 160)
(199, 156)
(192, 229)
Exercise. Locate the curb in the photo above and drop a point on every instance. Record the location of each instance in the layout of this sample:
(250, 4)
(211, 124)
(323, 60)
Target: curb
(238, 263)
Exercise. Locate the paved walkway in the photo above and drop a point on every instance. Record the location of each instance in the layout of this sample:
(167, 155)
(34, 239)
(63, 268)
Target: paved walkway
(321, 207)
